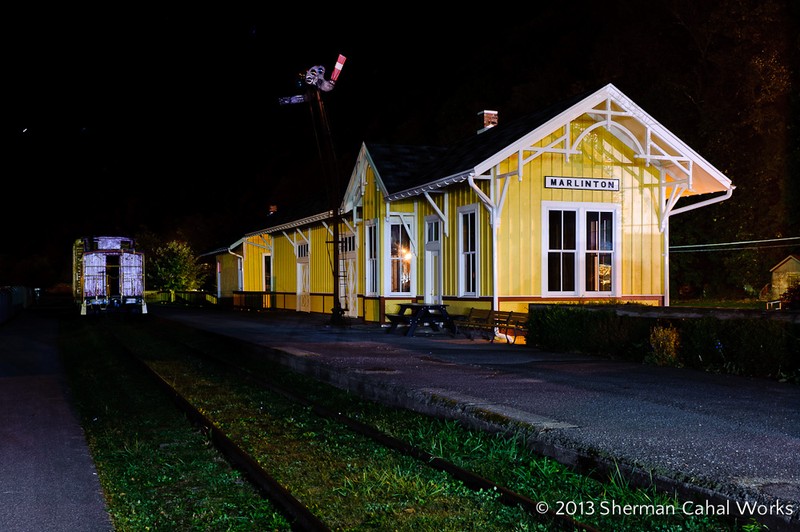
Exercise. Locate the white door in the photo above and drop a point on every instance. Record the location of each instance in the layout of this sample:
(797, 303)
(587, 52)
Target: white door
(433, 262)
(303, 287)
(351, 289)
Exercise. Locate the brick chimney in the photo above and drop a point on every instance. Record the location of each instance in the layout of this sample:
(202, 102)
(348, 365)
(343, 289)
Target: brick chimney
(487, 120)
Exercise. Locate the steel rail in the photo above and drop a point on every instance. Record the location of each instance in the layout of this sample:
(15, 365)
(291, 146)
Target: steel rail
(470, 479)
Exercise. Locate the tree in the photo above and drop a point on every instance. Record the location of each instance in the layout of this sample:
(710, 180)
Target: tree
(739, 77)
(174, 266)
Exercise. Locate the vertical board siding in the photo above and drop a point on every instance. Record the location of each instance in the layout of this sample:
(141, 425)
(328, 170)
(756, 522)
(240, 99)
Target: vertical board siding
(284, 265)
(229, 275)
(520, 244)
(254, 249)
(320, 259)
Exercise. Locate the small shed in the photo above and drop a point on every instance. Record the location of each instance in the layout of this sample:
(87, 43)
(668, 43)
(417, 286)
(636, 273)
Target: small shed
(785, 275)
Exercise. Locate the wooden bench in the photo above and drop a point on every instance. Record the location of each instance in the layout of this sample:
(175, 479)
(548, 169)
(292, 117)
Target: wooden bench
(515, 324)
(487, 322)
(480, 321)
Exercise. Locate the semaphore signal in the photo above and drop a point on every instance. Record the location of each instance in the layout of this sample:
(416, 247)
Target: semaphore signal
(315, 79)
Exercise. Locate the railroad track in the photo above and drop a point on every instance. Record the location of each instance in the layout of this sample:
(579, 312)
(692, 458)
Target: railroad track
(252, 417)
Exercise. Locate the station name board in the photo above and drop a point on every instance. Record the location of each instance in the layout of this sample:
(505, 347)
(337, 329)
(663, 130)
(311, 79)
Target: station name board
(581, 183)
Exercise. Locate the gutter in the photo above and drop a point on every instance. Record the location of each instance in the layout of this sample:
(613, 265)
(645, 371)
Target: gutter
(718, 199)
(492, 208)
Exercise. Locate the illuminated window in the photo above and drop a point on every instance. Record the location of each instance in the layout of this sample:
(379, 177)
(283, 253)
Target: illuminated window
(599, 250)
(400, 258)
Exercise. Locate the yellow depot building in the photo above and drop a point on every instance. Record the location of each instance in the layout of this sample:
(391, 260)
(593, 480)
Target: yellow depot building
(569, 204)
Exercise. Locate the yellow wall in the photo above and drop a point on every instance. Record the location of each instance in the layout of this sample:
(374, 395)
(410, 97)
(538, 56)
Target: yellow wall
(519, 239)
(373, 208)
(284, 264)
(321, 257)
(520, 242)
(448, 203)
(229, 274)
(254, 249)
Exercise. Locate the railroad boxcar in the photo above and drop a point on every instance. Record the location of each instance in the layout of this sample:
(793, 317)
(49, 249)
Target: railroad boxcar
(108, 275)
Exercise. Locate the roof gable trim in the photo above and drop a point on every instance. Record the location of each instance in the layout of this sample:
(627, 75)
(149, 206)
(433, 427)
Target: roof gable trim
(611, 108)
(308, 220)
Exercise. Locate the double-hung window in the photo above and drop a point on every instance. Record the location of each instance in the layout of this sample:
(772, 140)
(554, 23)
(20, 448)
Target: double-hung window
(468, 251)
(561, 251)
(268, 273)
(400, 258)
(581, 249)
(372, 258)
(599, 250)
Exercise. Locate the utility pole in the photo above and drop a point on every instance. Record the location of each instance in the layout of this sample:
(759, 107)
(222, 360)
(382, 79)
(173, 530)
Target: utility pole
(316, 84)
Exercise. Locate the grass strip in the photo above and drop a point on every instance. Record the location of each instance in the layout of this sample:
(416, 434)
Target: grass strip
(502, 459)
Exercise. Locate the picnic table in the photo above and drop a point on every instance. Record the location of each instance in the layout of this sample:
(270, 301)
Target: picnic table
(412, 315)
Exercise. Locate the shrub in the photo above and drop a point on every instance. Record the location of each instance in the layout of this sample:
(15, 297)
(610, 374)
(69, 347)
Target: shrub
(701, 346)
(664, 346)
(755, 347)
(751, 347)
(792, 298)
(555, 327)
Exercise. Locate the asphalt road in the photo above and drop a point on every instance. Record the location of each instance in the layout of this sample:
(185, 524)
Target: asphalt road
(48, 481)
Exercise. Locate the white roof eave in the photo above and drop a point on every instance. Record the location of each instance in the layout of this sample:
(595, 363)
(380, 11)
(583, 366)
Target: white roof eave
(706, 177)
(430, 186)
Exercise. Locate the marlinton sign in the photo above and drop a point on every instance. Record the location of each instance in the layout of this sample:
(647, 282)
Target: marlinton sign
(581, 183)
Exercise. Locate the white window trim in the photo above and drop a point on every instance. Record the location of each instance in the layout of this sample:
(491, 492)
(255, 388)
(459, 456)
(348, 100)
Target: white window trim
(372, 268)
(433, 245)
(581, 208)
(387, 254)
(264, 287)
(303, 257)
(466, 209)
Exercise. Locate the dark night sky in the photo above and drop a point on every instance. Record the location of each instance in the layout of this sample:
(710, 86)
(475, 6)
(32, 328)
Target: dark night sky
(118, 122)
(158, 119)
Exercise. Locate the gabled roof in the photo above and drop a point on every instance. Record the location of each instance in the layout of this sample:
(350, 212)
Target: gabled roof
(406, 170)
(295, 222)
(308, 209)
(791, 258)
(609, 107)
(395, 166)
(398, 165)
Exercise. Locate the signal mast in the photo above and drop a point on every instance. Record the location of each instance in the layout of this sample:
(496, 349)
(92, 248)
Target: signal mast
(316, 84)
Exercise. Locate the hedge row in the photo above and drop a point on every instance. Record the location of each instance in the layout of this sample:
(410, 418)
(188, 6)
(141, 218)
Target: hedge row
(748, 347)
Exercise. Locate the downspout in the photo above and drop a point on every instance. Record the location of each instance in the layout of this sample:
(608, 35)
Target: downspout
(487, 201)
(666, 263)
(239, 269)
(718, 199)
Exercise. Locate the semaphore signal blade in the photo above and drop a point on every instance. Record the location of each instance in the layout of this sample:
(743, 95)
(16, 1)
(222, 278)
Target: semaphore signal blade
(338, 68)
